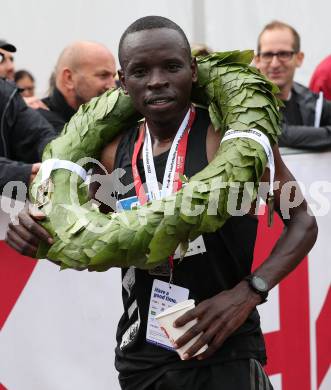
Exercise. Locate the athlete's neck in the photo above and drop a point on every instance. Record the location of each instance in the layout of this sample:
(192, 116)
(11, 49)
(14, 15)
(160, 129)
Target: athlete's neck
(163, 133)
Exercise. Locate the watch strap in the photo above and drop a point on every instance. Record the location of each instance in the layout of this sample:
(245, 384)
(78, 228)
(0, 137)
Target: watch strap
(263, 293)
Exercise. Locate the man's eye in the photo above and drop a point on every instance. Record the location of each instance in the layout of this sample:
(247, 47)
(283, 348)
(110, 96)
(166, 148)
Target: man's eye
(103, 76)
(139, 72)
(174, 67)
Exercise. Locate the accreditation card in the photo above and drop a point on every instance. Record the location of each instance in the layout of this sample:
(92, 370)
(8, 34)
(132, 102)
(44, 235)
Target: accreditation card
(163, 296)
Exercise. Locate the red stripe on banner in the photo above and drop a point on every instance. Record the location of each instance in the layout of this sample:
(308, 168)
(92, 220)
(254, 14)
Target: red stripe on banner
(2, 387)
(266, 237)
(289, 348)
(15, 271)
(323, 340)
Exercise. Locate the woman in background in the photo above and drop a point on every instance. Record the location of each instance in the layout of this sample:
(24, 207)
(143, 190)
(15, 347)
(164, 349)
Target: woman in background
(25, 81)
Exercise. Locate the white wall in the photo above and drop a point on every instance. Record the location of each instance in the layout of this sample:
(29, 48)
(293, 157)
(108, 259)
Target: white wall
(41, 28)
(311, 18)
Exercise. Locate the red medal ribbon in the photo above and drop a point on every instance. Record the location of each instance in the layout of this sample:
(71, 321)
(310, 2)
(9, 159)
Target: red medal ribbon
(179, 169)
(180, 160)
(141, 194)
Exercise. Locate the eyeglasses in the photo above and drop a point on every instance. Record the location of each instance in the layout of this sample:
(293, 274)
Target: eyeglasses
(283, 56)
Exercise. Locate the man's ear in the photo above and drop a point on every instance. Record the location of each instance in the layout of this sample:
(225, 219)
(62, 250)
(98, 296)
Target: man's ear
(122, 80)
(194, 68)
(67, 78)
(299, 59)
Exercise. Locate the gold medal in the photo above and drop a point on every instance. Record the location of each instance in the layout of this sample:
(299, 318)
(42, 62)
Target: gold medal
(44, 193)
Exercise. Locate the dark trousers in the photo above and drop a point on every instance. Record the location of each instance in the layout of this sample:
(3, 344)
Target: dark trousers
(233, 375)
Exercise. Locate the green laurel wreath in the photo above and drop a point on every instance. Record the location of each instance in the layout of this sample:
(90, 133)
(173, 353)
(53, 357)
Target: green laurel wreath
(238, 97)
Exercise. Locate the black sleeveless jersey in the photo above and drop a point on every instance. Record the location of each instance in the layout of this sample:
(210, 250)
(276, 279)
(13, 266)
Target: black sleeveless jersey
(227, 260)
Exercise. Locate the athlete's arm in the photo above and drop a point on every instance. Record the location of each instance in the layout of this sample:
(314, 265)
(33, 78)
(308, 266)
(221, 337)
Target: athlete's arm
(219, 316)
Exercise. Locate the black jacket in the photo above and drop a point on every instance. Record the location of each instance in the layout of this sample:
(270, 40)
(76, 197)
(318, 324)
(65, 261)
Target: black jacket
(59, 112)
(310, 135)
(23, 135)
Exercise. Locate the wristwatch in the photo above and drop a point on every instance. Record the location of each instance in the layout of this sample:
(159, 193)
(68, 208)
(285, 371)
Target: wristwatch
(258, 285)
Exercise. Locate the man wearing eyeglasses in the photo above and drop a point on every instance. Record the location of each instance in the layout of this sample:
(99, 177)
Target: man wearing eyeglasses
(306, 116)
(7, 69)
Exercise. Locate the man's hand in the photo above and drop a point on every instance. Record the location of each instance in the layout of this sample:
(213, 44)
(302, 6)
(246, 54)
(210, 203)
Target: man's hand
(25, 236)
(35, 103)
(34, 171)
(218, 317)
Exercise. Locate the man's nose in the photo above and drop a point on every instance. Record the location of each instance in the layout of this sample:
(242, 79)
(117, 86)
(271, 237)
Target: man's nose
(275, 61)
(9, 65)
(157, 79)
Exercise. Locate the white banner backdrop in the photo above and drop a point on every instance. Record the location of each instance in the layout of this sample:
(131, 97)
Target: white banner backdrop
(221, 24)
(60, 334)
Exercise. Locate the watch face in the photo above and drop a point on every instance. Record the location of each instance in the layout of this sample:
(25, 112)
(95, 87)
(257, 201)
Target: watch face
(259, 283)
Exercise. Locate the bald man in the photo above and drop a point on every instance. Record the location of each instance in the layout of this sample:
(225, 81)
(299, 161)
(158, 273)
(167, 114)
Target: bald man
(84, 70)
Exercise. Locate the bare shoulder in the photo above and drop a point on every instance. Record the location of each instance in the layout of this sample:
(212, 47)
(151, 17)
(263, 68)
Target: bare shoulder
(108, 154)
(98, 185)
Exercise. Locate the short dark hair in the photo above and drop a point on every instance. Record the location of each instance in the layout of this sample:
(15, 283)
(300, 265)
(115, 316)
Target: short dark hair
(20, 74)
(148, 23)
(277, 25)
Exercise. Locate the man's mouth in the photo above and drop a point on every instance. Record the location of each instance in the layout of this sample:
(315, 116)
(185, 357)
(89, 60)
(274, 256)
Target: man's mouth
(275, 74)
(159, 101)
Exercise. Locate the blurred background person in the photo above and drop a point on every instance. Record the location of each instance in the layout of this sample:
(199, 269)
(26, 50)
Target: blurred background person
(200, 49)
(51, 84)
(306, 116)
(25, 81)
(321, 79)
(84, 70)
(7, 67)
(23, 135)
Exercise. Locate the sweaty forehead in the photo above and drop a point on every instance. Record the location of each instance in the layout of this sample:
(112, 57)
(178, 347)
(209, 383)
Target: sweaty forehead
(160, 41)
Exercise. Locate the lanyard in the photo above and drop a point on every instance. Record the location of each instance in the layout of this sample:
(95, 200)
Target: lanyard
(174, 167)
(175, 162)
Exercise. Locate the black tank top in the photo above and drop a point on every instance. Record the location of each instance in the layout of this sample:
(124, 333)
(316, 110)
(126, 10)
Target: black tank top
(226, 262)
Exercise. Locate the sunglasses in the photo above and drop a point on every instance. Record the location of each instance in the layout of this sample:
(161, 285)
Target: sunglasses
(3, 58)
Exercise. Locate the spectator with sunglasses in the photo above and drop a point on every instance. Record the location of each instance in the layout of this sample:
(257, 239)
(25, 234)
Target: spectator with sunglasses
(23, 132)
(306, 115)
(7, 68)
(23, 135)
